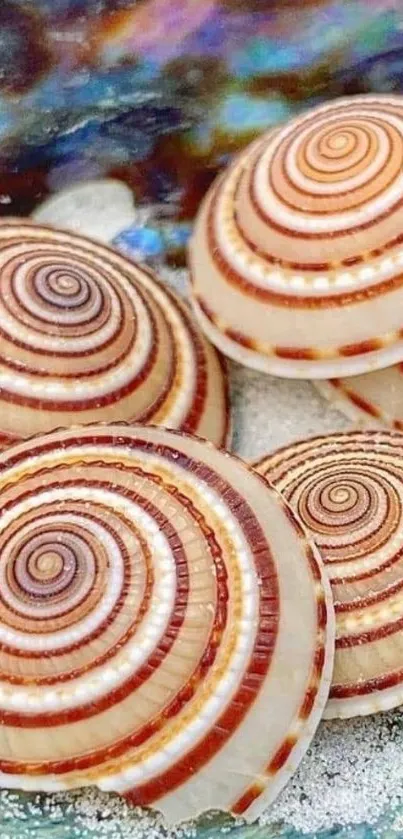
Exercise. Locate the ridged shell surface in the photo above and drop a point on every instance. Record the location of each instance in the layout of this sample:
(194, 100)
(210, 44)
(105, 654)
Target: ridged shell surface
(165, 631)
(297, 255)
(87, 335)
(348, 492)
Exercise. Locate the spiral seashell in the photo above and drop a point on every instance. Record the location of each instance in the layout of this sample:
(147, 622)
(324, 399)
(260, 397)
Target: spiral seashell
(143, 577)
(297, 254)
(373, 400)
(348, 492)
(87, 335)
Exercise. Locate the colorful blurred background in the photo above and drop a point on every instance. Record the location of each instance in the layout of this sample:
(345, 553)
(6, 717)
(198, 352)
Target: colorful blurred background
(160, 93)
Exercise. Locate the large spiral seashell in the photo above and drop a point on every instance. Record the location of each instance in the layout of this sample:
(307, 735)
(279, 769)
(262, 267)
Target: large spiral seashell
(297, 255)
(348, 492)
(164, 628)
(373, 400)
(87, 335)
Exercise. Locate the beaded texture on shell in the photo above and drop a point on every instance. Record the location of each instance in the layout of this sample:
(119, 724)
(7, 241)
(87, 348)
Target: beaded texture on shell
(348, 492)
(166, 631)
(88, 335)
(297, 254)
(373, 400)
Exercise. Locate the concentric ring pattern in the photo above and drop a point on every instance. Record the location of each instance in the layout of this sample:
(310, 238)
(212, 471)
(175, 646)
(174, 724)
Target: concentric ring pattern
(373, 400)
(87, 335)
(297, 255)
(165, 631)
(348, 491)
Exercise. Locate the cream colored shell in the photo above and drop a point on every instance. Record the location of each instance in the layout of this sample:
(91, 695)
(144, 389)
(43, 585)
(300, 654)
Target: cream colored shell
(297, 253)
(165, 631)
(348, 492)
(373, 400)
(87, 335)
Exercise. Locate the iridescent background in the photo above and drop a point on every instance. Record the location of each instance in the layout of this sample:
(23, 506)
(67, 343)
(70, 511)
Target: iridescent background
(160, 94)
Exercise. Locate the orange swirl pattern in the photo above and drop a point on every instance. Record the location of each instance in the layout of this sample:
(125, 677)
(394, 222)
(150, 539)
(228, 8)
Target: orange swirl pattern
(297, 254)
(348, 492)
(142, 579)
(88, 335)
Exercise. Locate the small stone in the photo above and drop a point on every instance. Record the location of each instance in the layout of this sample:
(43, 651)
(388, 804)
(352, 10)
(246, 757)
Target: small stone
(100, 209)
(141, 243)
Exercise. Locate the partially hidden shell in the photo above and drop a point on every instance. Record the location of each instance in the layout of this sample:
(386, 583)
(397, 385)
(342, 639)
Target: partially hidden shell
(373, 400)
(165, 630)
(348, 492)
(297, 254)
(87, 335)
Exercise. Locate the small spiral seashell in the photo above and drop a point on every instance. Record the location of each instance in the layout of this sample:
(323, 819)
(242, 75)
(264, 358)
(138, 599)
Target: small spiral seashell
(87, 335)
(373, 400)
(165, 631)
(297, 255)
(348, 492)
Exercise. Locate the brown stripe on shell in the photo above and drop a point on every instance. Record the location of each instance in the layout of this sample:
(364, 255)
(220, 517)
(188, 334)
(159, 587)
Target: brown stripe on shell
(372, 399)
(348, 491)
(275, 252)
(291, 353)
(175, 513)
(85, 331)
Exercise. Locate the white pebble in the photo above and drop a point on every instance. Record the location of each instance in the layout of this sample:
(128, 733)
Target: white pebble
(99, 209)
